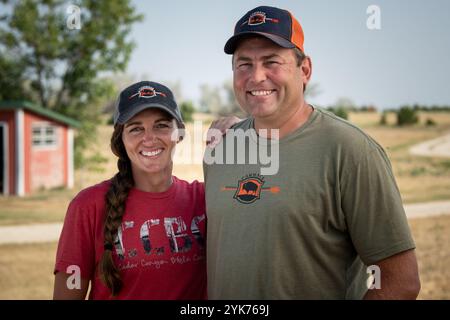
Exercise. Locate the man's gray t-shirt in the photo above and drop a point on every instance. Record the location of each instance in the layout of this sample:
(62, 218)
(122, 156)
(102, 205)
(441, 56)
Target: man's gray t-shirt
(310, 230)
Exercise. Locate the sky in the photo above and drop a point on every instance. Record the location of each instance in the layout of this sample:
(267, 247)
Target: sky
(406, 61)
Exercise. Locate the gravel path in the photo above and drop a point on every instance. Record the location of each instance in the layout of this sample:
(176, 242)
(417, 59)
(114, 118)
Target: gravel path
(439, 147)
(42, 232)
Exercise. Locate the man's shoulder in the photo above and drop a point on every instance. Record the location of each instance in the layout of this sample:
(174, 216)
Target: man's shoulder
(330, 121)
(244, 124)
(339, 130)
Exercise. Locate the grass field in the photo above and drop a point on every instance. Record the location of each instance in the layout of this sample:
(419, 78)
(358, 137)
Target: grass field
(26, 271)
(432, 237)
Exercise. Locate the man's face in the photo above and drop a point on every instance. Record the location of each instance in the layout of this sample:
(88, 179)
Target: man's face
(268, 83)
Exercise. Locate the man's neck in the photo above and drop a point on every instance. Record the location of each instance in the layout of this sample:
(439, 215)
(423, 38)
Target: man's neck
(286, 126)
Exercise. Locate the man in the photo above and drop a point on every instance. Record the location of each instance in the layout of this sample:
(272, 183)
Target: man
(331, 213)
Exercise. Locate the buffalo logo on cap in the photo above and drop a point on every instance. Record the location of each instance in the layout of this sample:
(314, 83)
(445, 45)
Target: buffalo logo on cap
(257, 18)
(147, 92)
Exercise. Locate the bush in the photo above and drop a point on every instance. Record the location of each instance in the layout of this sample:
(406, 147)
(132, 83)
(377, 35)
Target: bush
(430, 122)
(340, 112)
(407, 116)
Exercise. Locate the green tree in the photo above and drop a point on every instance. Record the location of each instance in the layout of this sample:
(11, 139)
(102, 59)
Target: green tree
(430, 122)
(11, 73)
(406, 116)
(340, 112)
(47, 57)
(231, 106)
(345, 103)
(187, 110)
(210, 99)
(341, 107)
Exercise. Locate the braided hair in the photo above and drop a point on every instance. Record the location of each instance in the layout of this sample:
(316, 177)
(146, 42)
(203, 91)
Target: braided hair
(115, 200)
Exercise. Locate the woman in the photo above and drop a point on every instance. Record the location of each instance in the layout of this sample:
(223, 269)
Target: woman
(141, 234)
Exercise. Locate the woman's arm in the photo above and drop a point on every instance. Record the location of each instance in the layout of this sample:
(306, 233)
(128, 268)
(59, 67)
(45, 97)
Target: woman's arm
(61, 290)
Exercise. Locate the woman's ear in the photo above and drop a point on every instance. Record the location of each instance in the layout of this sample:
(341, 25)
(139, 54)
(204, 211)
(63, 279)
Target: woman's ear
(178, 134)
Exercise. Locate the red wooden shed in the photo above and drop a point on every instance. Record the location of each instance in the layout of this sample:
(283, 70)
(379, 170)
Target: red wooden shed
(36, 148)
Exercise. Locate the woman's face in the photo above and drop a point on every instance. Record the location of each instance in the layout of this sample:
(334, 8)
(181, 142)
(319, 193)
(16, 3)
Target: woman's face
(149, 140)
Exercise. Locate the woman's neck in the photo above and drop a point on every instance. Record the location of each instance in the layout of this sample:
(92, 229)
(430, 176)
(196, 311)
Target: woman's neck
(155, 182)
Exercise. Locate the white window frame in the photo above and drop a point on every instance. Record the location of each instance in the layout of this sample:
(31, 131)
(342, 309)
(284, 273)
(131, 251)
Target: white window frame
(43, 126)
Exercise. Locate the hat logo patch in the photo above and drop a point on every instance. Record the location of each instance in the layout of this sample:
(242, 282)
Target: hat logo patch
(147, 92)
(257, 18)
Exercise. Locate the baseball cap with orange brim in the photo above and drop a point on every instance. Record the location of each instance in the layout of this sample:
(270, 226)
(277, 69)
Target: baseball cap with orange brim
(275, 24)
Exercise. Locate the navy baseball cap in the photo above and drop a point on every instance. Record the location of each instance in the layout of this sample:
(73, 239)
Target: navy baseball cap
(275, 24)
(144, 95)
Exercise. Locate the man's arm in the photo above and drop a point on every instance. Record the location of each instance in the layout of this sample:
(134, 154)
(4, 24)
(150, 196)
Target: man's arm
(399, 278)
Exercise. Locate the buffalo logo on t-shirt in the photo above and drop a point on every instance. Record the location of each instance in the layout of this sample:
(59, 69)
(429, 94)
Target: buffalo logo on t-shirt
(249, 189)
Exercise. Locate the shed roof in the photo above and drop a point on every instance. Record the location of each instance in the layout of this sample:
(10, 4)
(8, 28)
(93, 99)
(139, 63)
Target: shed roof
(20, 104)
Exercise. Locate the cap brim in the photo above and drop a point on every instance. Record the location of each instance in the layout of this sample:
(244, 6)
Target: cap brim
(232, 43)
(123, 118)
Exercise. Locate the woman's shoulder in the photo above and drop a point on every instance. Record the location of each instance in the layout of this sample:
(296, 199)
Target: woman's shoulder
(192, 187)
(92, 194)
(89, 203)
(191, 194)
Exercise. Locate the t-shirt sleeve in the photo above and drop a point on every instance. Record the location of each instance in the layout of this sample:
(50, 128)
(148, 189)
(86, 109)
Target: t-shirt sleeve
(200, 194)
(200, 207)
(199, 198)
(373, 207)
(76, 245)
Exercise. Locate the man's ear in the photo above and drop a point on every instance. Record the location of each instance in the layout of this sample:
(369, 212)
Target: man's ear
(306, 67)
